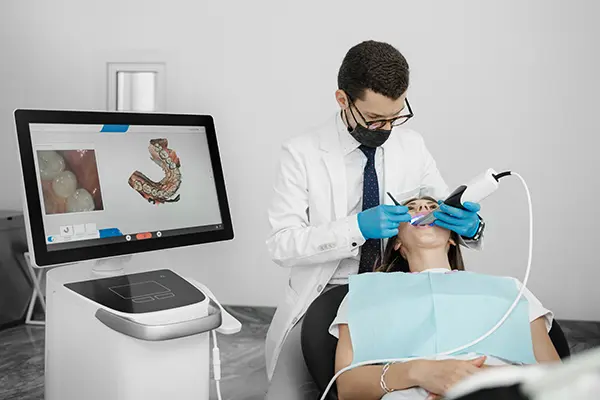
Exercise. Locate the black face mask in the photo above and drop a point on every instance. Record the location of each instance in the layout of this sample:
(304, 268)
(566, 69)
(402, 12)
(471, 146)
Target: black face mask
(370, 138)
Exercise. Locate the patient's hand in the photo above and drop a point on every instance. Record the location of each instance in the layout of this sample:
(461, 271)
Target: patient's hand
(437, 377)
(495, 366)
(434, 396)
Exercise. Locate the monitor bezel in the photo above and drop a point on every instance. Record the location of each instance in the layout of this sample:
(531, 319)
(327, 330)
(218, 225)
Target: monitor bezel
(32, 200)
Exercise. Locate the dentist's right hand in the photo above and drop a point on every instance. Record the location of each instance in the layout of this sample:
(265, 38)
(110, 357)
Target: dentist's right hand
(382, 222)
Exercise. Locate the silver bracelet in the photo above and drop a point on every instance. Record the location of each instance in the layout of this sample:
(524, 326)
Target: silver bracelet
(384, 387)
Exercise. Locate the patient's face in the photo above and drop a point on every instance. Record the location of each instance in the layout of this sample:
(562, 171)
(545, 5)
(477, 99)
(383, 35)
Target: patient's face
(414, 237)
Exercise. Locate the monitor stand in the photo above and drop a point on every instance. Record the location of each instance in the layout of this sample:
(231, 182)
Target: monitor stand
(111, 266)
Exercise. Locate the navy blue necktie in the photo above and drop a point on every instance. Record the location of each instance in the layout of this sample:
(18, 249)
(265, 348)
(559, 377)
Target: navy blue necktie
(371, 249)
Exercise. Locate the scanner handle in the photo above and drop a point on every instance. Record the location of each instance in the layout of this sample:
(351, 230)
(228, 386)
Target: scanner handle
(230, 324)
(175, 330)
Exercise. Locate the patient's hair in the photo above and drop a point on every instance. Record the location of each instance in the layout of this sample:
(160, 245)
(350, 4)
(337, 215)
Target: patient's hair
(392, 261)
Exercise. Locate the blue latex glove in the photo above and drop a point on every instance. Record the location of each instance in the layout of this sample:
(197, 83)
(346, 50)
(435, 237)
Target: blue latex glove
(382, 222)
(464, 222)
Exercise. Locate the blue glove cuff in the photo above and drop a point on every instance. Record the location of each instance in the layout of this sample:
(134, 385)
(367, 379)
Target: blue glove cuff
(477, 231)
(359, 218)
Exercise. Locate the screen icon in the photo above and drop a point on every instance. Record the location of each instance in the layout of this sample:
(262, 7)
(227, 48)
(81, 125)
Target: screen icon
(66, 230)
(91, 228)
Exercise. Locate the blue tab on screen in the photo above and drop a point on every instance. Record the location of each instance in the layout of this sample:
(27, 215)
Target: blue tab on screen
(115, 128)
(109, 232)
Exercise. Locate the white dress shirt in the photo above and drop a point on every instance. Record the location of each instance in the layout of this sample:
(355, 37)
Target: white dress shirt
(355, 161)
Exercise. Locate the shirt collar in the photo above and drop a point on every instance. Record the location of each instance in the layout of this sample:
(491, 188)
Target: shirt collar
(347, 142)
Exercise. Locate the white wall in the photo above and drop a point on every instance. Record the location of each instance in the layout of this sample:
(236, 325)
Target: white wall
(503, 84)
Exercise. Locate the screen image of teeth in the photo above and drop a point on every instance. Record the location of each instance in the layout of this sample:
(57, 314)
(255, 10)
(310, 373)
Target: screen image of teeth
(137, 183)
(69, 181)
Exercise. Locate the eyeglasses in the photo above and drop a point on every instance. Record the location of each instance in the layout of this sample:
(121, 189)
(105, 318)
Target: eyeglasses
(380, 123)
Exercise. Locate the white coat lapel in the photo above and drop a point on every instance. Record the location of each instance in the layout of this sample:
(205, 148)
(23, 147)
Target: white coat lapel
(336, 168)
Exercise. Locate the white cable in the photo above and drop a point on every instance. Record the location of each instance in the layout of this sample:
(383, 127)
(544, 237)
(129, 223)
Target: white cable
(510, 310)
(219, 391)
(216, 358)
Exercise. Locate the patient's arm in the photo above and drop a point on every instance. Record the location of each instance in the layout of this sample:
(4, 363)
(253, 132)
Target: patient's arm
(363, 382)
(543, 348)
(435, 376)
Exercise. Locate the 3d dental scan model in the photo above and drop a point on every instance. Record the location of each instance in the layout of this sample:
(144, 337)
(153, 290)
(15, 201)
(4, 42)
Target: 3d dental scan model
(163, 191)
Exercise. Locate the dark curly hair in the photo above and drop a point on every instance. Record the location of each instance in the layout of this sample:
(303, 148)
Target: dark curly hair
(373, 65)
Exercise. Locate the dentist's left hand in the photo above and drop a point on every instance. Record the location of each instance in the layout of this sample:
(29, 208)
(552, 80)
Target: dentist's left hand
(464, 222)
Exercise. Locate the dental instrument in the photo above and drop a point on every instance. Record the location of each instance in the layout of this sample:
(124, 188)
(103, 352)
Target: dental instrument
(475, 191)
(481, 187)
(393, 199)
(413, 219)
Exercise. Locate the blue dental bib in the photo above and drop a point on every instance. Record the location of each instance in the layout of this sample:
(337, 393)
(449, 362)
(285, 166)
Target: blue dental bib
(403, 315)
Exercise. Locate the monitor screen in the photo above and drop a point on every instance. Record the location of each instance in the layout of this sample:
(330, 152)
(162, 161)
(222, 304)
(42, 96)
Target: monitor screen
(107, 187)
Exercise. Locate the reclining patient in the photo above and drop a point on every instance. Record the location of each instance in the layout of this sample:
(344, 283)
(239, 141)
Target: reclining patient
(419, 302)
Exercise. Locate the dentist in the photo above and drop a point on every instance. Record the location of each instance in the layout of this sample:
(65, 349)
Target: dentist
(330, 213)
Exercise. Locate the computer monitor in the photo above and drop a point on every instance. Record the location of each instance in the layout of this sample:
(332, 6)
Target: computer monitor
(105, 184)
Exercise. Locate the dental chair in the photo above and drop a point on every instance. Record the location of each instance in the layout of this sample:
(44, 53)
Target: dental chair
(318, 346)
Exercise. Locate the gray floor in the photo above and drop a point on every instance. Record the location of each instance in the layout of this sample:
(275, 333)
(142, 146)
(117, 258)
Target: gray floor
(242, 356)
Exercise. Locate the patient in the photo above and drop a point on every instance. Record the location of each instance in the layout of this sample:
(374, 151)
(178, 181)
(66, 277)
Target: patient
(429, 249)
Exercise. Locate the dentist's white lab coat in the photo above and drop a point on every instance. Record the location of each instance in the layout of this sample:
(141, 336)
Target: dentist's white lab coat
(311, 231)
